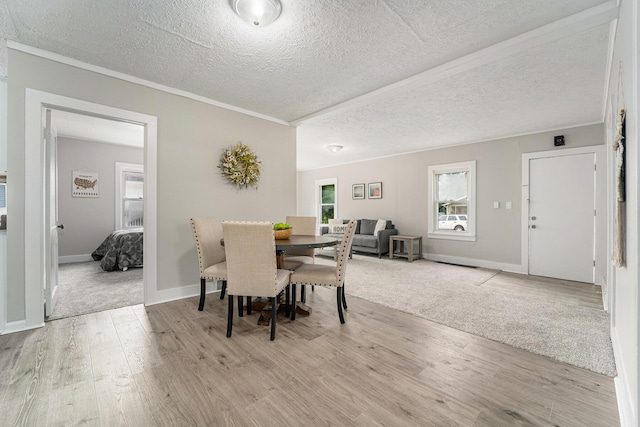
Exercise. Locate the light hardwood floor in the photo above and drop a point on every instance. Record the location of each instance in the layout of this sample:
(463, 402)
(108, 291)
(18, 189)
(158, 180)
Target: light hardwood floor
(171, 365)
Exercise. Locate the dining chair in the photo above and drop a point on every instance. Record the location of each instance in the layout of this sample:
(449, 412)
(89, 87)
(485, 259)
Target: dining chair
(251, 266)
(327, 275)
(306, 226)
(211, 255)
(294, 258)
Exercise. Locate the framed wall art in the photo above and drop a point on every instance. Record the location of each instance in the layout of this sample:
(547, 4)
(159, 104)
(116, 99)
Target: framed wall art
(357, 191)
(375, 190)
(84, 184)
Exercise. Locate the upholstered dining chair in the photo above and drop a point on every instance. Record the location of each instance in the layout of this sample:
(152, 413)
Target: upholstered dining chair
(327, 275)
(251, 266)
(305, 226)
(211, 255)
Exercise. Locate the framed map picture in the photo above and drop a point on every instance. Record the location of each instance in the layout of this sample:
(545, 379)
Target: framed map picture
(84, 184)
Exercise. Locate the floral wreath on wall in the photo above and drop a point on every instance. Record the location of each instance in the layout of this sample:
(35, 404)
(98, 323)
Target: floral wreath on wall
(240, 166)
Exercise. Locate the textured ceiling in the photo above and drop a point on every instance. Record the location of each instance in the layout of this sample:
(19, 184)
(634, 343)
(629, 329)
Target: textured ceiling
(379, 77)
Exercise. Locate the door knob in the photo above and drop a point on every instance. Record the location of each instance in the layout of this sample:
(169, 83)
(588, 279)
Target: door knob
(533, 218)
(533, 226)
(61, 226)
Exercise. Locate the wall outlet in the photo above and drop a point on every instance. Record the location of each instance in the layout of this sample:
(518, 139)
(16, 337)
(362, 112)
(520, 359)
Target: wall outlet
(508, 205)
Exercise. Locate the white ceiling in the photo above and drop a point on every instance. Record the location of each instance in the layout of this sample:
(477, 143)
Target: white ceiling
(379, 77)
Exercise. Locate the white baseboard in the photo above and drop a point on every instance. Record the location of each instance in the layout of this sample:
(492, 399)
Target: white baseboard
(623, 393)
(173, 294)
(74, 258)
(472, 262)
(19, 326)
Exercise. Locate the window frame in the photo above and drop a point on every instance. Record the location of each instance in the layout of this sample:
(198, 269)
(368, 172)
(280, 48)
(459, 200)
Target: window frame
(319, 184)
(470, 233)
(121, 168)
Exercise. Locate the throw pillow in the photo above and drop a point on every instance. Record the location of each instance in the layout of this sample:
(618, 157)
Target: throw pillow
(368, 226)
(337, 226)
(380, 225)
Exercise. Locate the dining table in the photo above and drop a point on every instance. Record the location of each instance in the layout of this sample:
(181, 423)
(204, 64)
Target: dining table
(301, 242)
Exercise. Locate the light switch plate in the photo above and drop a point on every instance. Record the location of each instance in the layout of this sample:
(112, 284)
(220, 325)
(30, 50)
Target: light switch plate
(508, 205)
(496, 205)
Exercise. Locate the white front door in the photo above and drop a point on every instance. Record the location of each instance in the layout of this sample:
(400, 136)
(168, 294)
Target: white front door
(51, 179)
(562, 217)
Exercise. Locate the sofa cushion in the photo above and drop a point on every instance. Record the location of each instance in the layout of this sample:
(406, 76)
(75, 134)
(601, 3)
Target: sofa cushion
(367, 226)
(365, 240)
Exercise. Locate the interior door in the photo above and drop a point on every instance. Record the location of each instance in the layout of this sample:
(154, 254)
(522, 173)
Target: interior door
(562, 217)
(51, 240)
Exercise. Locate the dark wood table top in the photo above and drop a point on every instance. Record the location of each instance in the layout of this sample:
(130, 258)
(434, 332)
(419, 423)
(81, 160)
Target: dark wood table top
(302, 242)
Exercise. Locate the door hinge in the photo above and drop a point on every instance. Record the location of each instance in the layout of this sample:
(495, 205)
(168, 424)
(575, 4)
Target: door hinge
(594, 212)
(594, 262)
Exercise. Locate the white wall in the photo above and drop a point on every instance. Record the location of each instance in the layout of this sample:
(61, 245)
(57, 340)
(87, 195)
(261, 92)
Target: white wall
(498, 178)
(624, 281)
(191, 136)
(87, 221)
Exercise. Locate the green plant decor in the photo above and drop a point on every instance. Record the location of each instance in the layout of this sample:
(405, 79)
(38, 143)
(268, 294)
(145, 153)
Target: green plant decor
(240, 166)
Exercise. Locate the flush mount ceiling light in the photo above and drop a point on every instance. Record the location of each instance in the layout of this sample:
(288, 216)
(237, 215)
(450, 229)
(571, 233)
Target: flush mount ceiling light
(257, 12)
(334, 148)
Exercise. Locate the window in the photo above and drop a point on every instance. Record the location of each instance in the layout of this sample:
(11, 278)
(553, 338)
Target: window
(327, 199)
(129, 195)
(452, 199)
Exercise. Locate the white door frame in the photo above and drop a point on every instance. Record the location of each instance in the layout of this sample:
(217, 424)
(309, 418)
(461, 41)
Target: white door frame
(598, 150)
(35, 193)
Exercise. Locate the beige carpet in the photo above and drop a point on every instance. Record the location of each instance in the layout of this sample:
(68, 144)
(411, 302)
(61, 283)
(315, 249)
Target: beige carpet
(83, 287)
(453, 296)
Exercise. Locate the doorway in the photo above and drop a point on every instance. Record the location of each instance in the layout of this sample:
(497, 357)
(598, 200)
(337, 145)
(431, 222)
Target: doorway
(82, 218)
(36, 222)
(559, 214)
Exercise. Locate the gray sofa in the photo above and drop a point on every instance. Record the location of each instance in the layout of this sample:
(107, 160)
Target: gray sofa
(364, 239)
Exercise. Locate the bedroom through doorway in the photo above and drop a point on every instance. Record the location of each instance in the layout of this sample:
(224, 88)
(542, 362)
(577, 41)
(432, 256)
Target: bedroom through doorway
(99, 183)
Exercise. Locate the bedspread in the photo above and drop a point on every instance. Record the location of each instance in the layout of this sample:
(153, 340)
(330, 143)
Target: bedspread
(120, 250)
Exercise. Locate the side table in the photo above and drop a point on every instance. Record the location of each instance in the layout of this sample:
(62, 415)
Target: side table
(405, 247)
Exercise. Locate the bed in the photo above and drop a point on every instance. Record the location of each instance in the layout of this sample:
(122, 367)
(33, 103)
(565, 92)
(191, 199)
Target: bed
(121, 250)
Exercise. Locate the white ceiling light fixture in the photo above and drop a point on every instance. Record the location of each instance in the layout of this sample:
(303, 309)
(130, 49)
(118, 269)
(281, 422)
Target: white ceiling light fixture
(334, 148)
(257, 12)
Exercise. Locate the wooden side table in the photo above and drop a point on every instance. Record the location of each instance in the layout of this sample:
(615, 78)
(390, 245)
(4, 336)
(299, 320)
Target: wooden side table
(405, 247)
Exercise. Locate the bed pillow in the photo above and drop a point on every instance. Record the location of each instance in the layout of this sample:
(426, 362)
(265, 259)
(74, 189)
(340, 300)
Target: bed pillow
(380, 225)
(368, 226)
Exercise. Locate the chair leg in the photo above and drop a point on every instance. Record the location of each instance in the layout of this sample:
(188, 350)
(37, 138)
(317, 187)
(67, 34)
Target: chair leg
(313, 288)
(203, 293)
(248, 305)
(339, 293)
(303, 293)
(287, 297)
(224, 289)
(293, 302)
(230, 317)
(274, 316)
(288, 306)
(240, 308)
(344, 299)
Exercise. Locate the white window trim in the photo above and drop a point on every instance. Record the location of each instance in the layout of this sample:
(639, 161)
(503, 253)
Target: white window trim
(318, 207)
(120, 168)
(433, 232)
